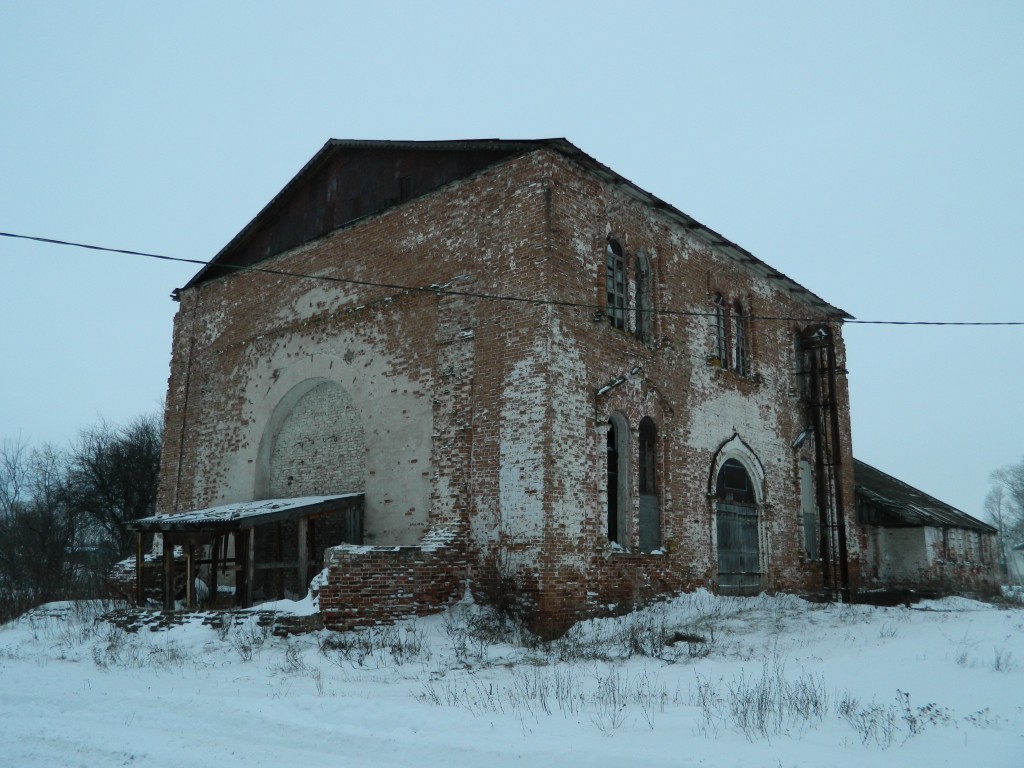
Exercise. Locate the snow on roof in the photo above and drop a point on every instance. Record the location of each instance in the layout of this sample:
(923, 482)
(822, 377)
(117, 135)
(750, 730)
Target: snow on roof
(245, 514)
(903, 505)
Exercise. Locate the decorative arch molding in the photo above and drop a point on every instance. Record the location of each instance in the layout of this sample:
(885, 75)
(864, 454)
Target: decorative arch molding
(737, 449)
(290, 387)
(633, 390)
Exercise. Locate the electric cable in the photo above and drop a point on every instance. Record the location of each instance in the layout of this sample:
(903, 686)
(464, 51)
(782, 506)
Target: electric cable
(443, 290)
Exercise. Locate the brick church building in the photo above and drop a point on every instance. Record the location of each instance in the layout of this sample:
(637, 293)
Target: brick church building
(500, 365)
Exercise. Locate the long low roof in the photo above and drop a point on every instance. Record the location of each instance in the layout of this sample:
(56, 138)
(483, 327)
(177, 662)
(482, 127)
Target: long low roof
(900, 505)
(245, 514)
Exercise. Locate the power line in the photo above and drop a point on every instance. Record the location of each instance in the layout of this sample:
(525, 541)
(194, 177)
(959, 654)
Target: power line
(446, 291)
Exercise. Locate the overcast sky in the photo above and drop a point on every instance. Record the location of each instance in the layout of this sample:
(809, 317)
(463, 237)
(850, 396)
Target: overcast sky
(872, 151)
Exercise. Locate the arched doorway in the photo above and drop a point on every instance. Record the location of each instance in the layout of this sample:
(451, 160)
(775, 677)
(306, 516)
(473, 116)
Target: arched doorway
(739, 555)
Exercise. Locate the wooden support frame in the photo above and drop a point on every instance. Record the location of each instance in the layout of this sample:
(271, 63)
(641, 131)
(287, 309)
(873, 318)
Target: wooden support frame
(235, 526)
(168, 572)
(214, 567)
(190, 575)
(250, 558)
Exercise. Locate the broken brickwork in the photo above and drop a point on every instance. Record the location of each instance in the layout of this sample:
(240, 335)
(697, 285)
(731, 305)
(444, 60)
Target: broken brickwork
(367, 586)
(454, 407)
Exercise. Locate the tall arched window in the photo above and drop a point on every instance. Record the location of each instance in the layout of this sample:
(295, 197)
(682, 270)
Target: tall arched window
(721, 332)
(618, 479)
(650, 519)
(615, 284)
(644, 299)
(739, 554)
(741, 340)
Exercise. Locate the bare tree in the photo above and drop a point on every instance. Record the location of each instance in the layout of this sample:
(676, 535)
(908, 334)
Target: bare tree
(1004, 506)
(113, 479)
(64, 513)
(38, 532)
(13, 474)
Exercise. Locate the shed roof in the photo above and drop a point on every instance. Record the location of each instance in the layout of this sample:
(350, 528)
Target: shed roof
(253, 244)
(895, 504)
(245, 514)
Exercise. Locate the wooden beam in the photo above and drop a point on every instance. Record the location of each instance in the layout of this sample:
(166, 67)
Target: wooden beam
(190, 576)
(240, 569)
(215, 565)
(280, 556)
(168, 560)
(302, 574)
(250, 557)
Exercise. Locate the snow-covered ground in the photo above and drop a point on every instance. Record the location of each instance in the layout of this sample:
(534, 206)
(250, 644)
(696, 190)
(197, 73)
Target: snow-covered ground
(699, 681)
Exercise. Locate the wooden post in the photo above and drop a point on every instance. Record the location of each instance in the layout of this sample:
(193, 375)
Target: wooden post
(190, 575)
(250, 557)
(168, 561)
(240, 569)
(280, 558)
(303, 572)
(214, 565)
(140, 594)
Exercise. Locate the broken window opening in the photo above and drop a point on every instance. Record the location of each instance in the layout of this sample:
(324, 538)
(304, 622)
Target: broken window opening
(613, 485)
(650, 519)
(741, 341)
(615, 285)
(809, 513)
(721, 332)
(644, 299)
(734, 483)
(617, 447)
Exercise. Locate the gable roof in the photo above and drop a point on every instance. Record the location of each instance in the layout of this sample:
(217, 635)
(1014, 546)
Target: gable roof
(375, 175)
(885, 501)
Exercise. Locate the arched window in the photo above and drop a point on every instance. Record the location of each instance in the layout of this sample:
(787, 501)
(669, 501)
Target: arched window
(644, 299)
(648, 436)
(650, 519)
(739, 555)
(721, 332)
(618, 479)
(615, 284)
(809, 513)
(741, 341)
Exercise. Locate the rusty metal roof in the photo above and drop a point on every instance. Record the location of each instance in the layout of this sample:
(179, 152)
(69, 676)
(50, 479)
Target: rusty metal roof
(891, 503)
(245, 514)
(509, 148)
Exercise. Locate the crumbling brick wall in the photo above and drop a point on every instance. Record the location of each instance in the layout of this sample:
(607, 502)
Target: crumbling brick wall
(367, 586)
(492, 415)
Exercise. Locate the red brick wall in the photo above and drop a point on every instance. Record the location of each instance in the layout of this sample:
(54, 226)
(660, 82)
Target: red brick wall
(515, 451)
(367, 586)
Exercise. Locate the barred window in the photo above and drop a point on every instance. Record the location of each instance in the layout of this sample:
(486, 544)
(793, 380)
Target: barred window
(615, 284)
(741, 341)
(644, 301)
(721, 332)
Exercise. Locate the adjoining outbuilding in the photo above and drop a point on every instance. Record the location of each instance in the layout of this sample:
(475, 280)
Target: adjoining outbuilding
(917, 542)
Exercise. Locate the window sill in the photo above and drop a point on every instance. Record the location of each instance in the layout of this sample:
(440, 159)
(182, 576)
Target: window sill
(715, 363)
